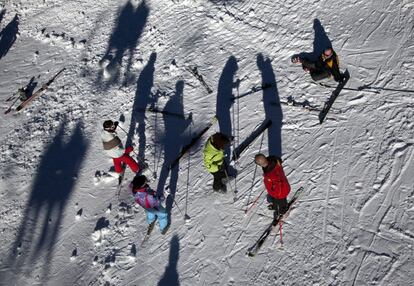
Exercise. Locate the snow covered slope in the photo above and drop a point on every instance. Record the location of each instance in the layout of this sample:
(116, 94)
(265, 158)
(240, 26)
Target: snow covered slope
(63, 224)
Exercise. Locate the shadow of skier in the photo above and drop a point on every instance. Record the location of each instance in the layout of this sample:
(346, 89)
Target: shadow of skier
(142, 100)
(124, 39)
(224, 100)
(8, 36)
(172, 141)
(52, 188)
(170, 277)
(321, 42)
(2, 13)
(271, 103)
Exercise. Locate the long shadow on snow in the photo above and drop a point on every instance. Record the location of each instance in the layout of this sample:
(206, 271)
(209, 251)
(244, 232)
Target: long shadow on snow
(2, 14)
(52, 188)
(170, 277)
(172, 141)
(8, 36)
(320, 42)
(124, 39)
(271, 103)
(142, 100)
(30, 87)
(224, 98)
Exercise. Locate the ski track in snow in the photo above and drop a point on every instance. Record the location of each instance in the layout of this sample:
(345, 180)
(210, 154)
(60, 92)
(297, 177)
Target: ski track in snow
(352, 226)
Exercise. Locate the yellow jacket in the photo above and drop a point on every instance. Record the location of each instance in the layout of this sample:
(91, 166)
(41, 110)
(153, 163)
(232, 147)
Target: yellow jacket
(213, 157)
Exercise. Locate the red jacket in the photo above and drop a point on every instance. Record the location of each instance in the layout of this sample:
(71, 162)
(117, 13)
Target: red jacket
(275, 179)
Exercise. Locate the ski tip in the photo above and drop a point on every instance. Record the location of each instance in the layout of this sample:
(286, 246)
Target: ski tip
(250, 254)
(187, 218)
(321, 118)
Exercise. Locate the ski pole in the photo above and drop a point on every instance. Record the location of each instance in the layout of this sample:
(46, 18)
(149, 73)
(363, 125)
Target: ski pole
(228, 180)
(176, 204)
(280, 233)
(154, 174)
(12, 96)
(254, 202)
(186, 216)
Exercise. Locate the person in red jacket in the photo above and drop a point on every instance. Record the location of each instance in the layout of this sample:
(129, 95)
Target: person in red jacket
(276, 184)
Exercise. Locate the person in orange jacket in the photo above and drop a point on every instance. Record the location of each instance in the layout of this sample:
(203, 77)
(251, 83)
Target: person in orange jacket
(276, 184)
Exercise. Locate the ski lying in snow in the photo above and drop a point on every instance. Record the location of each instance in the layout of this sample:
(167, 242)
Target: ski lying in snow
(38, 92)
(165, 112)
(255, 134)
(328, 104)
(187, 147)
(254, 249)
(194, 72)
(254, 90)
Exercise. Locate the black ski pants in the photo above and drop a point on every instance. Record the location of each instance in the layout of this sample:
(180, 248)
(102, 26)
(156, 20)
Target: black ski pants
(218, 180)
(280, 206)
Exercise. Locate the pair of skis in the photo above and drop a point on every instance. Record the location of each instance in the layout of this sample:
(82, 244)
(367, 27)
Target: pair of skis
(36, 94)
(254, 249)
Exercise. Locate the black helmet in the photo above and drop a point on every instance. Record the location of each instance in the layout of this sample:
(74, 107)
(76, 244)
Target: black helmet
(110, 125)
(139, 182)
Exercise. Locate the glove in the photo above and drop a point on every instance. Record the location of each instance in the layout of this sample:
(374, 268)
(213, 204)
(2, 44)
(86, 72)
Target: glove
(295, 59)
(129, 149)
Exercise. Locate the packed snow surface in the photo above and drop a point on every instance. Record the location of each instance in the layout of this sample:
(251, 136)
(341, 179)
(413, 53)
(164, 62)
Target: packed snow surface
(62, 220)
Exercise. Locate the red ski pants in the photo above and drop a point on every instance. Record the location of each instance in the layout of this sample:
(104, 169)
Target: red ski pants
(127, 160)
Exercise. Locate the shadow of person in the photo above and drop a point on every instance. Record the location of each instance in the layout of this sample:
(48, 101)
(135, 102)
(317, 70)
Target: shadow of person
(142, 99)
(225, 100)
(52, 188)
(170, 277)
(271, 104)
(30, 86)
(172, 141)
(8, 36)
(2, 13)
(321, 42)
(124, 39)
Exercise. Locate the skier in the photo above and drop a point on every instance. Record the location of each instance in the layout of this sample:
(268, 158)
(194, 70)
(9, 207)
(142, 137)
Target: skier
(113, 148)
(326, 66)
(276, 184)
(214, 160)
(151, 202)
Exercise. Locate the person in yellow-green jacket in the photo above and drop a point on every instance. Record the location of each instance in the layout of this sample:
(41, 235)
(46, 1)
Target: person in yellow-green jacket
(214, 159)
